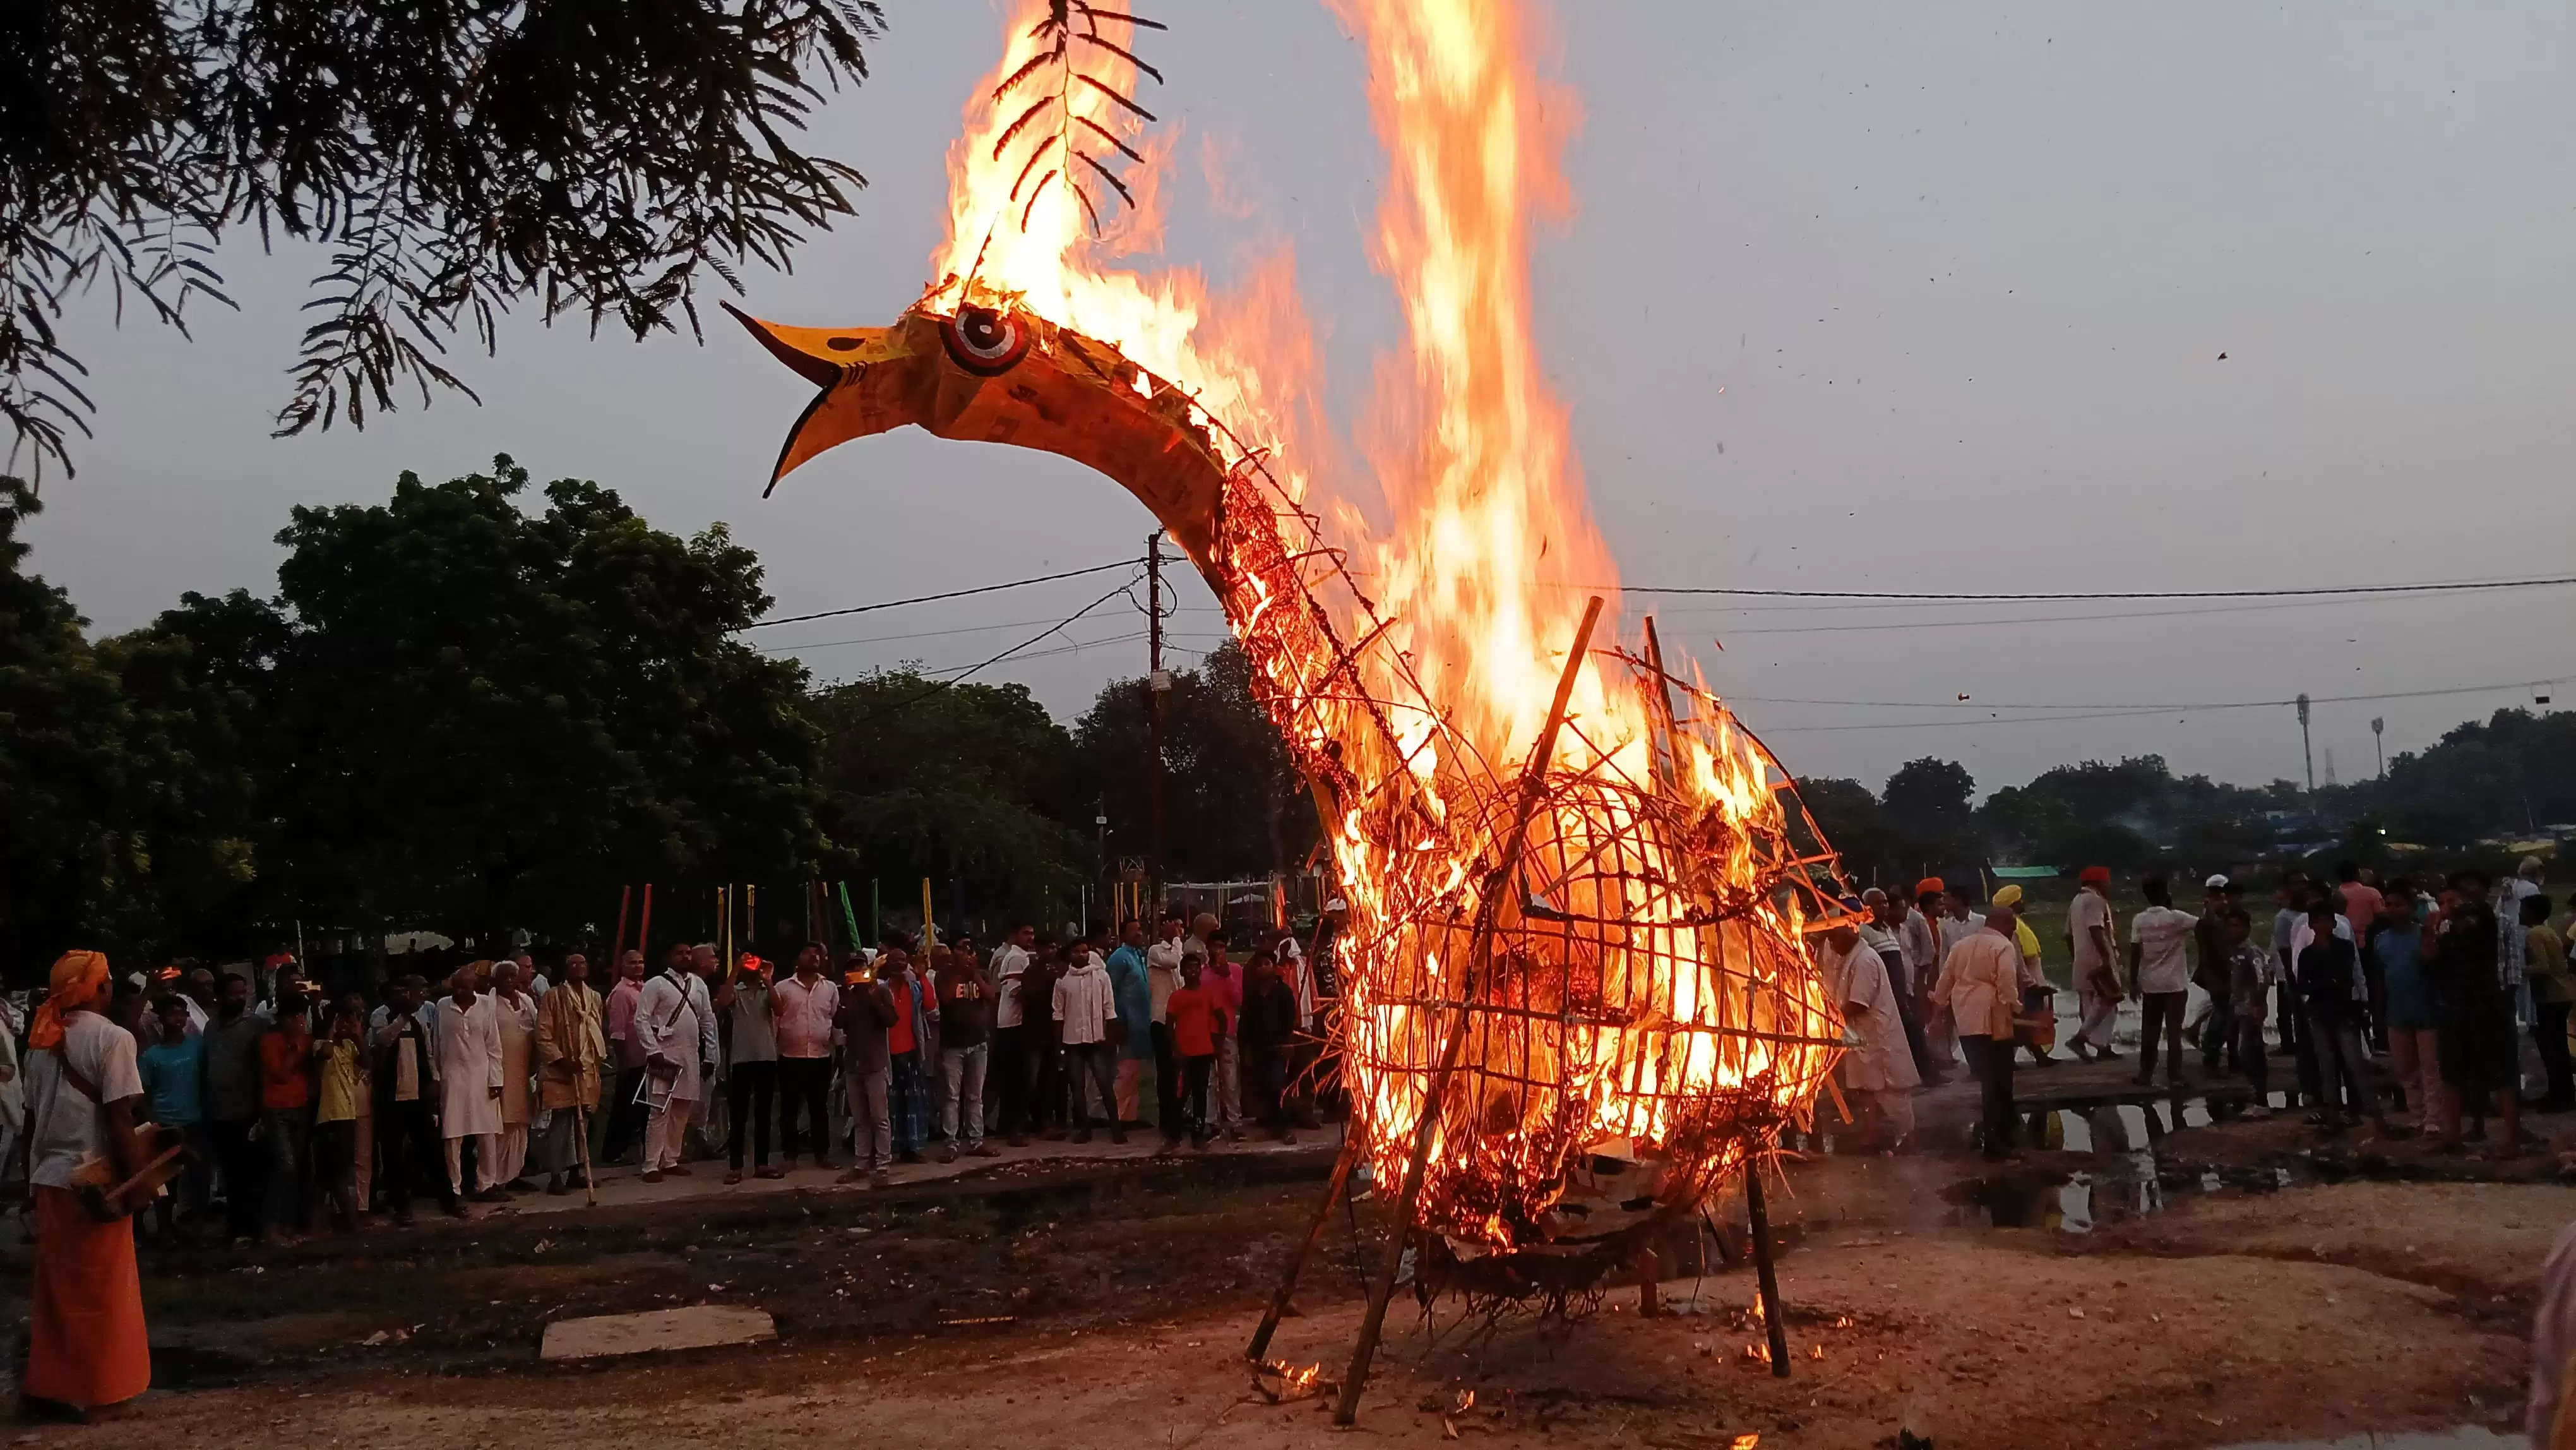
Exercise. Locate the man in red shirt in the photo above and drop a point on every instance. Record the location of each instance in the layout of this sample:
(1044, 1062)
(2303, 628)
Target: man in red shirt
(1195, 1017)
(286, 1111)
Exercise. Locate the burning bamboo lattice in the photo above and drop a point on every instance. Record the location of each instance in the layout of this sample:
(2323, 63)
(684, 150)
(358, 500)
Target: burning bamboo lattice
(1583, 957)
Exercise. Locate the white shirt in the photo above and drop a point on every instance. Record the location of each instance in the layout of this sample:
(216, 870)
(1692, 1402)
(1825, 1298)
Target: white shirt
(1007, 965)
(1163, 972)
(1084, 1003)
(804, 1016)
(2159, 933)
(64, 1120)
(1882, 1061)
(2088, 910)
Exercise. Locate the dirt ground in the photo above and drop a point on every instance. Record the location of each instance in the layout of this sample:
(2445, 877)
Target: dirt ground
(1082, 1309)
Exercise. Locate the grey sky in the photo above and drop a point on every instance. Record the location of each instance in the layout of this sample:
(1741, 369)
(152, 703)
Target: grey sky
(1963, 275)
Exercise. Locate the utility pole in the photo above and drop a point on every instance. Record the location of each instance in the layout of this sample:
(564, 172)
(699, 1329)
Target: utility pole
(2304, 750)
(2378, 730)
(1158, 683)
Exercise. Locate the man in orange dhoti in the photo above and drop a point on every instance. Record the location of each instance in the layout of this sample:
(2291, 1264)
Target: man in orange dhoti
(86, 1343)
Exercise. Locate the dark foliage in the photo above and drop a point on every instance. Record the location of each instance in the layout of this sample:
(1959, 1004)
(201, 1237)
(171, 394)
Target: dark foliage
(455, 158)
(1233, 805)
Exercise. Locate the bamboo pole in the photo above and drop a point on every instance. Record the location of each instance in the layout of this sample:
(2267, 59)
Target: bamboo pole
(1314, 1235)
(1533, 789)
(625, 899)
(1762, 1270)
(644, 928)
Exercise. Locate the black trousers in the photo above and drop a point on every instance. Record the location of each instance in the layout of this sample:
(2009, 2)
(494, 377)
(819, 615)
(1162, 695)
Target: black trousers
(1167, 1083)
(407, 1143)
(2549, 1034)
(2160, 1017)
(1992, 1062)
(625, 1115)
(1265, 1089)
(1900, 985)
(1043, 1063)
(1006, 1086)
(1194, 1093)
(245, 1170)
(805, 1088)
(751, 1089)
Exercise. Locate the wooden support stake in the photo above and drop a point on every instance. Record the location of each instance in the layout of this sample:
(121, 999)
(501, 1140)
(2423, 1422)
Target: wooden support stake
(1772, 1318)
(1314, 1235)
(1427, 1126)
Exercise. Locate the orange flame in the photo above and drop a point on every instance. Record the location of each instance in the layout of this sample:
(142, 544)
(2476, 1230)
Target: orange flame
(1698, 982)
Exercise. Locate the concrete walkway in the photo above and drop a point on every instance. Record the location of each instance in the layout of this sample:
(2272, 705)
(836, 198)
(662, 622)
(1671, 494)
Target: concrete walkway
(622, 1187)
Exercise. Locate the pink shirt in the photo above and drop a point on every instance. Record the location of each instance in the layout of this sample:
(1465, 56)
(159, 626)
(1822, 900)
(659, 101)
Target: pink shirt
(804, 1016)
(621, 1022)
(1228, 992)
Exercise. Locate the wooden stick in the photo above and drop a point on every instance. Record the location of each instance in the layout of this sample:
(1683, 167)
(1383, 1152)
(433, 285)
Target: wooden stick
(1306, 1246)
(1427, 1126)
(625, 898)
(644, 929)
(1762, 1270)
(581, 1144)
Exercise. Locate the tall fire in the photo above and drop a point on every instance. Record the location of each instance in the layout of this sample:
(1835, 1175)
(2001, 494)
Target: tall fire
(1577, 986)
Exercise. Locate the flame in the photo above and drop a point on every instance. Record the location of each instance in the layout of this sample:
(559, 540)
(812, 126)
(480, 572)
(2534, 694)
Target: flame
(1684, 1016)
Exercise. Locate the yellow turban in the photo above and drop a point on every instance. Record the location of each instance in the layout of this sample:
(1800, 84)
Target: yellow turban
(2008, 896)
(79, 980)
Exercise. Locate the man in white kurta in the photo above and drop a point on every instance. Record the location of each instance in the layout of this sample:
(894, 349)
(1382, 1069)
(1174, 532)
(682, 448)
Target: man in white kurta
(667, 1029)
(1878, 1071)
(515, 1013)
(469, 1083)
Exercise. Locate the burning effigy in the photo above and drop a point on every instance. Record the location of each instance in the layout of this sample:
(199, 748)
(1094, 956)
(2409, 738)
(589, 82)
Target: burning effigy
(1577, 987)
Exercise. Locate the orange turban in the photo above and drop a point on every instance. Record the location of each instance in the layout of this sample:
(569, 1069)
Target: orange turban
(79, 980)
(1929, 886)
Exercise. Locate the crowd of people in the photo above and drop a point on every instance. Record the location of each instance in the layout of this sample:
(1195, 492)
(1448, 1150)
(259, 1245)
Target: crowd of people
(2442, 977)
(303, 1111)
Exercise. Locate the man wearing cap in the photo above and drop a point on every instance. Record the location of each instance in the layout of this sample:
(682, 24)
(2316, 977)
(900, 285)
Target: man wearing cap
(2038, 1029)
(1980, 979)
(2097, 978)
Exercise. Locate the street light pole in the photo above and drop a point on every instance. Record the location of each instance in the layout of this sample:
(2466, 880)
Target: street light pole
(1158, 682)
(2378, 742)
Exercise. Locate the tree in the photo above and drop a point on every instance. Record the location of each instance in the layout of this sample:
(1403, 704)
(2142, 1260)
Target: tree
(1233, 803)
(453, 160)
(1929, 796)
(124, 806)
(964, 783)
(1854, 824)
(471, 715)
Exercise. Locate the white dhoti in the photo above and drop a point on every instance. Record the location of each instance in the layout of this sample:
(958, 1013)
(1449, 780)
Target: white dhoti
(507, 1153)
(666, 1134)
(2100, 1011)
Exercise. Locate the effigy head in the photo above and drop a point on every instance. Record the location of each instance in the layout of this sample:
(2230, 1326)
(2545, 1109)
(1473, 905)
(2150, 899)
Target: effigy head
(1006, 375)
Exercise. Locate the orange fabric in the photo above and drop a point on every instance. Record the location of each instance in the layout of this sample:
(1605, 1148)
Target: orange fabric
(85, 1340)
(1928, 886)
(283, 1053)
(79, 980)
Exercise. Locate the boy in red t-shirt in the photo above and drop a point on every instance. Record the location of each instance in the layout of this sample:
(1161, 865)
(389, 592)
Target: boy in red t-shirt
(1195, 1017)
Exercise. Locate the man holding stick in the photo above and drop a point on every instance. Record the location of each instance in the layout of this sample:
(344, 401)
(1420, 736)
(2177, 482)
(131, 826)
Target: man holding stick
(572, 1049)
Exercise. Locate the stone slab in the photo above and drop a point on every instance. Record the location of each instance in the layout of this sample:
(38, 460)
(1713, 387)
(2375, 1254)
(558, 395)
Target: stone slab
(699, 1326)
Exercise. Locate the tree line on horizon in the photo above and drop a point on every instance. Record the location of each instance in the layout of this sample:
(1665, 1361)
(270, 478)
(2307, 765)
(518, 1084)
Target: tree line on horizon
(465, 713)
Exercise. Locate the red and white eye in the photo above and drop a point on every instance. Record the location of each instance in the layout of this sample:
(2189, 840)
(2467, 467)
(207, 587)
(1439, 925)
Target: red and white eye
(984, 341)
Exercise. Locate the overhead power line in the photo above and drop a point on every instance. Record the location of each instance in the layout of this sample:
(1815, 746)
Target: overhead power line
(2100, 712)
(2450, 586)
(931, 598)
